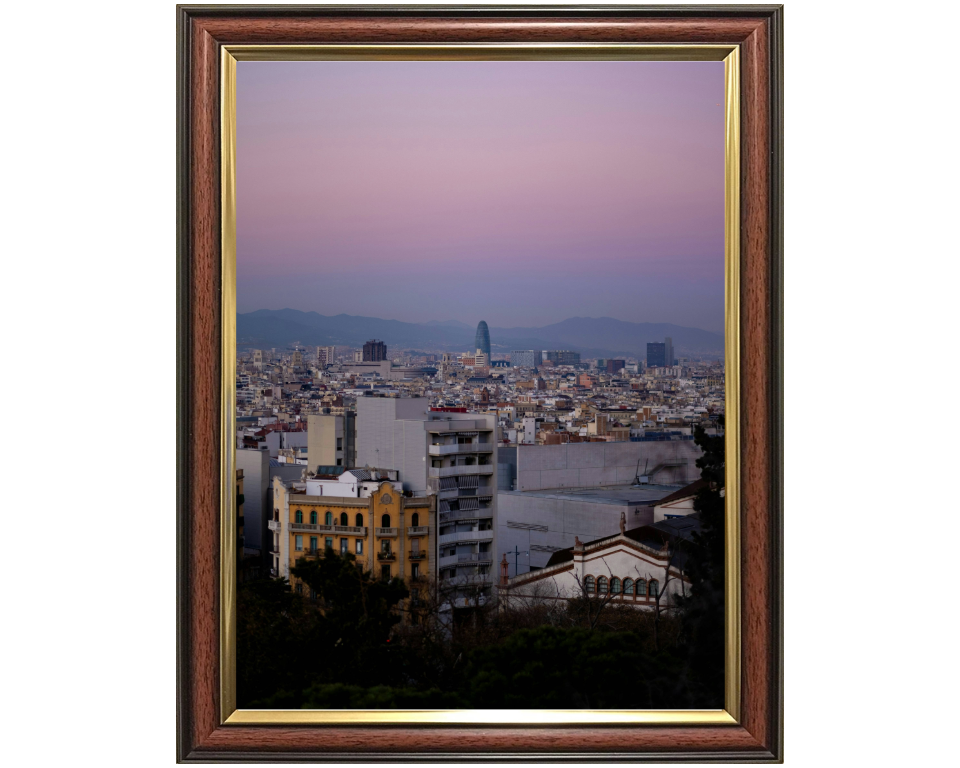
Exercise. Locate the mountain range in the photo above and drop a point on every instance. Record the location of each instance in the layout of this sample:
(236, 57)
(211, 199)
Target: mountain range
(591, 336)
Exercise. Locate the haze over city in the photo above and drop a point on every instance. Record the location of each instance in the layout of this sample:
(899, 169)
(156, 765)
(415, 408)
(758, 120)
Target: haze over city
(522, 192)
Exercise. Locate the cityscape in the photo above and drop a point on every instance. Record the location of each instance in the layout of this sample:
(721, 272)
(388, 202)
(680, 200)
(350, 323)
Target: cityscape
(480, 385)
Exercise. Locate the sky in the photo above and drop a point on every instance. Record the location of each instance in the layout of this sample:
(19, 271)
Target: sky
(520, 193)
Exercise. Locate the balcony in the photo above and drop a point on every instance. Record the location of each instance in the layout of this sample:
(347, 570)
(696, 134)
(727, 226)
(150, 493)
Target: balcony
(354, 529)
(417, 530)
(458, 448)
(311, 527)
(273, 525)
(466, 537)
(387, 556)
(475, 557)
(420, 554)
(386, 531)
(466, 514)
(462, 469)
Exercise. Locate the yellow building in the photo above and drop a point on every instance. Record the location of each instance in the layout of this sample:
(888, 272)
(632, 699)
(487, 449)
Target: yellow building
(389, 534)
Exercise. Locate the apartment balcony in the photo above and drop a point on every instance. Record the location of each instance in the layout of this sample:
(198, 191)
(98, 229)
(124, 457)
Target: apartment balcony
(465, 537)
(466, 514)
(356, 530)
(388, 557)
(462, 469)
(273, 525)
(386, 531)
(417, 530)
(451, 493)
(420, 554)
(466, 560)
(447, 450)
(457, 425)
(311, 528)
(477, 579)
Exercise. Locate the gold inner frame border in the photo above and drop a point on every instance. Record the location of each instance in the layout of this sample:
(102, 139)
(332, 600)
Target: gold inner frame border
(730, 56)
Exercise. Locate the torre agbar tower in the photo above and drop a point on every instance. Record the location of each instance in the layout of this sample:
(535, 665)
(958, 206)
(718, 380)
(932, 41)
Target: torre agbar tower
(483, 338)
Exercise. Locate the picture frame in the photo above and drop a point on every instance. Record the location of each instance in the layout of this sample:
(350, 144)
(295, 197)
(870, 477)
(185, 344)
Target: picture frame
(207, 729)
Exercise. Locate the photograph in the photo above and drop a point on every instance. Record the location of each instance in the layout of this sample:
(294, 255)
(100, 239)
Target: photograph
(480, 376)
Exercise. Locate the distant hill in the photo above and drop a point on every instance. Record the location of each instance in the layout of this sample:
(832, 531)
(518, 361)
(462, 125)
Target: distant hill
(591, 336)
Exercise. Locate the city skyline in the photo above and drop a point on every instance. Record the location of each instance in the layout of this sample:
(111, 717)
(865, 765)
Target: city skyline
(551, 189)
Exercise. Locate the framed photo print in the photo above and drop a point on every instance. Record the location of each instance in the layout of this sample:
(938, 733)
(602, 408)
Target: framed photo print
(479, 383)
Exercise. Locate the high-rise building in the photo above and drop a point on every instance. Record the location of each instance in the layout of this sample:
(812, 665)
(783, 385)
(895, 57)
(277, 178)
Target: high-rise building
(562, 357)
(482, 341)
(374, 351)
(668, 357)
(615, 365)
(454, 457)
(656, 354)
(331, 440)
(326, 355)
(525, 358)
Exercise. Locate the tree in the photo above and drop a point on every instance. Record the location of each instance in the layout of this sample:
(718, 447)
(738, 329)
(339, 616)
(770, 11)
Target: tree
(703, 608)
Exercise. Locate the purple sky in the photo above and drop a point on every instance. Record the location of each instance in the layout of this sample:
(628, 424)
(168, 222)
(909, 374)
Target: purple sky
(521, 193)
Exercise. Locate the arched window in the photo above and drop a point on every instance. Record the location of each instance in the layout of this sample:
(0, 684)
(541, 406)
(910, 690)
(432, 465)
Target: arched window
(615, 585)
(298, 517)
(641, 588)
(654, 586)
(359, 520)
(328, 518)
(602, 585)
(313, 517)
(385, 521)
(589, 585)
(628, 586)
(344, 520)
(415, 519)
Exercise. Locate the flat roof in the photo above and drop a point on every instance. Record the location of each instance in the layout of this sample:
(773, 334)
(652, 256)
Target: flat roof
(622, 495)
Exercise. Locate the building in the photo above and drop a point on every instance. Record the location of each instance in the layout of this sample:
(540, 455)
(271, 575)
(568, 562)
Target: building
(332, 440)
(374, 351)
(255, 465)
(615, 365)
(453, 457)
(638, 567)
(482, 341)
(668, 352)
(361, 512)
(525, 358)
(656, 355)
(561, 357)
(326, 356)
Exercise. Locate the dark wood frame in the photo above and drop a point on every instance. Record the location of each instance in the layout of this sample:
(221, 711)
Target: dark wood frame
(201, 32)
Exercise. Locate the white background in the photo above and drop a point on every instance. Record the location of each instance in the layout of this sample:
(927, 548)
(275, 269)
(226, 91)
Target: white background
(88, 310)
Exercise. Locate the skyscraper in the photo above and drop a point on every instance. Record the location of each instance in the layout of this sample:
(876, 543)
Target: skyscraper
(668, 352)
(374, 351)
(483, 339)
(656, 354)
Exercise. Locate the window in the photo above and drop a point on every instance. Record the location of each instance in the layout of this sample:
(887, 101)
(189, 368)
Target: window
(415, 571)
(602, 585)
(344, 543)
(299, 588)
(339, 443)
(359, 520)
(328, 542)
(415, 546)
(313, 593)
(641, 588)
(615, 585)
(359, 546)
(298, 543)
(385, 572)
(298, 516)
(328, 518)
(313, 543)
(654, 587)
(344, 520)
(589, 585)
(415, 519)
(385, 521)
(385, 545)
(313, 517)
(628, 586)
